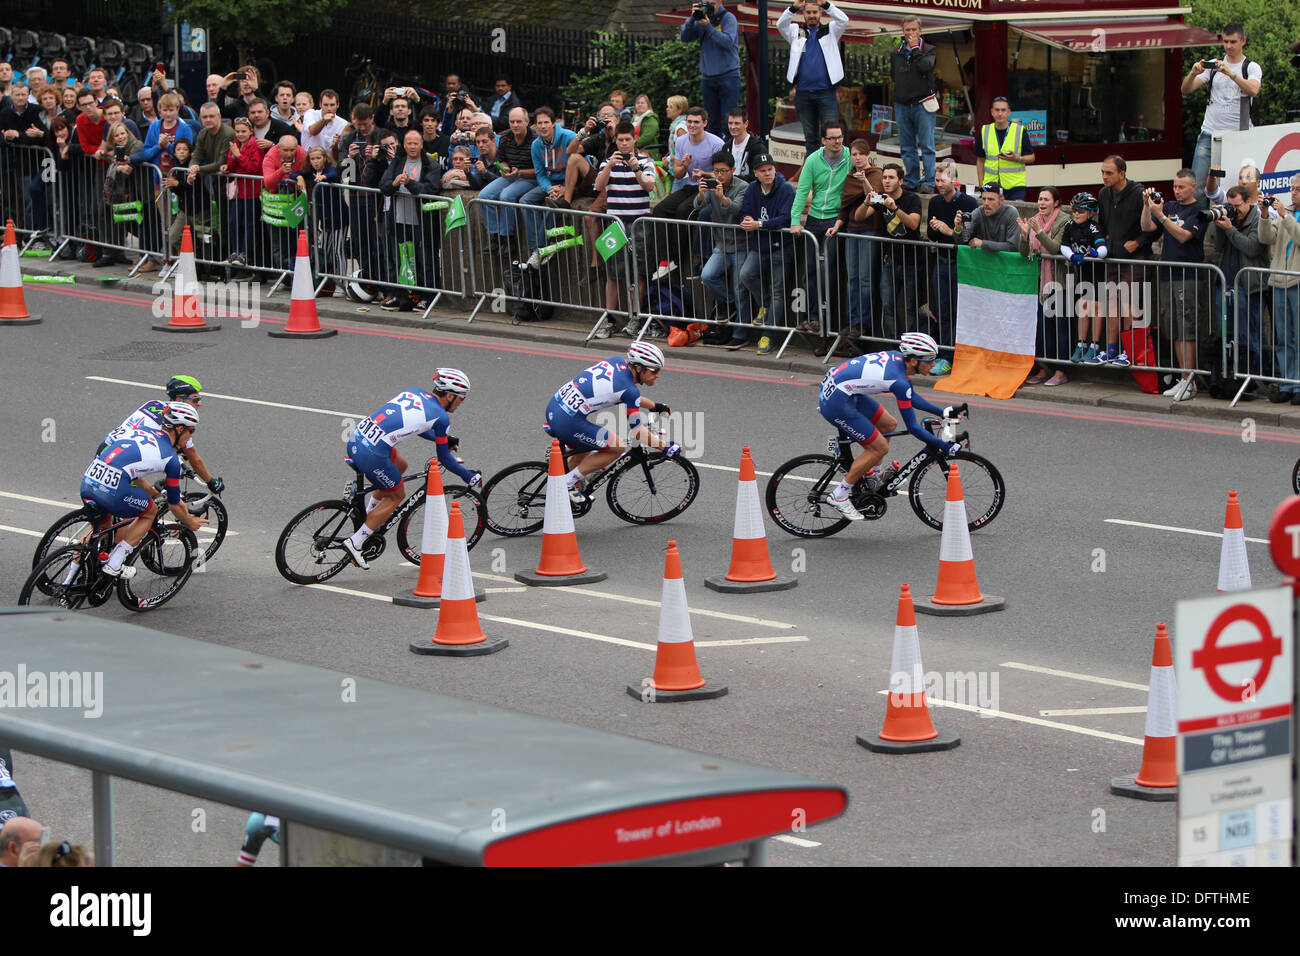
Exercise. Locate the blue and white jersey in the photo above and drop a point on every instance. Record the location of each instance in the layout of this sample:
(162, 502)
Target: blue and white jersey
(134, 454)
(149, 417)
(413, 412)
(602, 385)
(879, 372)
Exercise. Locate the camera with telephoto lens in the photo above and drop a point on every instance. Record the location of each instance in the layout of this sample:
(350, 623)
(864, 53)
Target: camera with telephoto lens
(1214, 213)
(700, 11)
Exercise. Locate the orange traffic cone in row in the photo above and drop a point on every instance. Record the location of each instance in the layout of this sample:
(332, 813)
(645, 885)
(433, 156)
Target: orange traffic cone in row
(187, 299)
(907, 729)
(458, 633)
(677, 673)
(751, 568)
(561, 563)
(433, 547)
(958, 590)
(303, 322)
(1157, 779)
(13, 307)
(1234, 569)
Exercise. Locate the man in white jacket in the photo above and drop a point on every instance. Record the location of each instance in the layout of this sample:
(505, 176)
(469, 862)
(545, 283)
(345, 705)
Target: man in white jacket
(815, 66)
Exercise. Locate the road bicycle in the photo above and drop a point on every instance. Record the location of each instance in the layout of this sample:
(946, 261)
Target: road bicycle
(644, 487)
(310, 549)
(797, 492)
(1295, 478)
(73, 577)
(76, 525)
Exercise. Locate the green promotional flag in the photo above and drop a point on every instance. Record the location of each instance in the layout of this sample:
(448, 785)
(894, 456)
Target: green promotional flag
(611, 240)
(456, 217)
(69, 280)
(434, 205)
(406, 263)
(284, 209)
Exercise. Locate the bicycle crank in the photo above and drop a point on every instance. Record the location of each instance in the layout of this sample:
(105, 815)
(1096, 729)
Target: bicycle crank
(872, 507)
(374, 547)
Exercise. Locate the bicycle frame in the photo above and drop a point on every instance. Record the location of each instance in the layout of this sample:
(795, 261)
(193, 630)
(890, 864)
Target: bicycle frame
(357, 498)
(926, 453)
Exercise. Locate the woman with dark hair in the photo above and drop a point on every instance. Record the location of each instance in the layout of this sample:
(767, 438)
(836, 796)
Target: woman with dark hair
(1038, 235)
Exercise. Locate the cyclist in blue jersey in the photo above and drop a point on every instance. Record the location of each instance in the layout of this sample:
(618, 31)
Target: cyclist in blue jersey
(114, 481)
(373, 447)
(259, 828)
(605, 384)
(847, 404)
(180, 388)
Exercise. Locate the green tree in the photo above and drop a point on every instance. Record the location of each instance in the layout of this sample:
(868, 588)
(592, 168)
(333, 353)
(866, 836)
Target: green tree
(249, 23)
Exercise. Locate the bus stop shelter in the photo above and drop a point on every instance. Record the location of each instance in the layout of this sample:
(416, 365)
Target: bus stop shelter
(423, 776)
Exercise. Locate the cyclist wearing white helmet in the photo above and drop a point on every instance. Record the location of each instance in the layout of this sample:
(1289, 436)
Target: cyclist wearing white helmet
(180, 388)
(617, 380)
(115, 479)
(847, 404)
(373, 447)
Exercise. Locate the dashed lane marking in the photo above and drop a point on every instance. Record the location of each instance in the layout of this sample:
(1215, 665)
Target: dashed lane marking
(1110, 682)
(1088, 711)
(1036, 721)
(1169, 527)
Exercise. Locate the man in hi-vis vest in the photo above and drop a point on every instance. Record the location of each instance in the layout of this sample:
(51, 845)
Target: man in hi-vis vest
(1002, 151)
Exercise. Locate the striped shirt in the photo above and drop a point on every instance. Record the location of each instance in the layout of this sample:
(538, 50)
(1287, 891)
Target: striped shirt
(516, 156)
(627, 199)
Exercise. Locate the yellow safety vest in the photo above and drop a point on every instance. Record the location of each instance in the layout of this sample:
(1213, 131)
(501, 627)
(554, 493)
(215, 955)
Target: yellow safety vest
(1009, 174)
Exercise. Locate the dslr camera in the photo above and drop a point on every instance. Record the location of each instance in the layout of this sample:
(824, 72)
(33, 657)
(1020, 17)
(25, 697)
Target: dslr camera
(701, 10)
(1214, 213)
(1157, 198)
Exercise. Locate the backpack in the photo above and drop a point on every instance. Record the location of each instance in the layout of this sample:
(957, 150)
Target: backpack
(665, 299)
(526, 283)
(1219, 383)
(1248, 117)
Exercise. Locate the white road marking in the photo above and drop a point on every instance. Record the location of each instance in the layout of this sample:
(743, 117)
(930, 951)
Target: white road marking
(553, 629)
(231, 398)
(792, 639)
(786, 838)
(30, 534)
(1036, 721)
(1088, 677)
(70, 505)
(1169, 527)
(1084, 711)
(504, 590)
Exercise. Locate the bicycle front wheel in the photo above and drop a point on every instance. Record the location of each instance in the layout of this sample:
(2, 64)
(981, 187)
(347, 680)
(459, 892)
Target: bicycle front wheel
(218, 521)
(514, 501)
(652, 489)
(410, 532)
(163, 563)
(310, 549)
(60, 581)
(1295, 478)
(797, 496)
(981, 486)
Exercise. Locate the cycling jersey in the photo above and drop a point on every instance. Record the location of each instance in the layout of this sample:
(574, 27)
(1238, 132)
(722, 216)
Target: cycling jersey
(599, 387)
(136, 453)
(413, 412)
(847, 389)
(147, 416)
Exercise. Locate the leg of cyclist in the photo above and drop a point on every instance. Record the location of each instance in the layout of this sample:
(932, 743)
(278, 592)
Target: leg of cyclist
(131, 501)
(387, 495)
(860, 418)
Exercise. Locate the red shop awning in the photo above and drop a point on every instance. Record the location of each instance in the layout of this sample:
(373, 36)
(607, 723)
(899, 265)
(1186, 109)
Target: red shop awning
(862, 27)
(1101, 36)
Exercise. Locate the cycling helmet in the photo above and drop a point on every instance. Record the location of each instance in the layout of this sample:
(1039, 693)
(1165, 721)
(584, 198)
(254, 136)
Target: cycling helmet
(451, 380)
(1084, 201)
(178, 386)
(180, 414)
(918, 345)
(643, 353)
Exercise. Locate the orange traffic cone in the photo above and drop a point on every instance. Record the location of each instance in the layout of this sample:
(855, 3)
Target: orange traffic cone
(433, 547)
(187, 299)
(13, 307)
(1234, 569)
(303, 322)
(1157, 779)
(458, 633)
(677, 674)
(958, 591)
(561, 563)
(751, 568)
(907, 729)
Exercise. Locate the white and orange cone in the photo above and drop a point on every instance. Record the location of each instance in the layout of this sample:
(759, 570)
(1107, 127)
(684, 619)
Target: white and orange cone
(1234, 569)
(13, 306)
(458, 633)
(561, 563)
(303, 322)
(433, 547)
(677, 673)
(751, 567)
(958, 591)
(908, 728)
(187, 298)
(1157, 778)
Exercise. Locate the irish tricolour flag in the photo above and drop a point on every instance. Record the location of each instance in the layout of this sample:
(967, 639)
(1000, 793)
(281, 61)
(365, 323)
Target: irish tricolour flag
(997, 314)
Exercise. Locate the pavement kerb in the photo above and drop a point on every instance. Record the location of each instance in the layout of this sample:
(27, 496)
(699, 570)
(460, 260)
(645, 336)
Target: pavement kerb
(1102, 389)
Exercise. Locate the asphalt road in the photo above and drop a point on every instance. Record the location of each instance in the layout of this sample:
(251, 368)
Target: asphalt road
(1084, 592)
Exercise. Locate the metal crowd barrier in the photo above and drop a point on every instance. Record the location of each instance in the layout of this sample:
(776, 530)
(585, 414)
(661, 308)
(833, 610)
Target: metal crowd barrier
(876, 288)
(29, 190)
(1265, 323)
(120, 220)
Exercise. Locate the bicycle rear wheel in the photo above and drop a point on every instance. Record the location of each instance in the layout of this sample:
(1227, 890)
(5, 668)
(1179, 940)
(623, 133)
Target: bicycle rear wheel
(514, 501)
(1295, 478)
(310, 549)
(981, 485)
(796, 497)
(652, 489)
(67, 529)
(163, 563)
(61, 580)
(410, 531)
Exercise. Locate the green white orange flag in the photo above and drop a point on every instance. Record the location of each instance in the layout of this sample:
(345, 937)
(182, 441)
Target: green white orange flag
(997, 316)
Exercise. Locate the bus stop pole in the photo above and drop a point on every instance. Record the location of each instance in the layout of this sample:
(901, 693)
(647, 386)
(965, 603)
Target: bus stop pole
(757, 853)
(102, 794)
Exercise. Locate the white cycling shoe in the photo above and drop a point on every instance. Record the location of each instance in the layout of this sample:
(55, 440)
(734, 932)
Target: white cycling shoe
(355, 554)
(845, 508)
(126, 571)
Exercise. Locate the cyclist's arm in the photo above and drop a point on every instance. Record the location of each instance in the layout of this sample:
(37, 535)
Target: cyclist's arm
(197, 463)
(914, 427)
(174, 503)
(445, 457)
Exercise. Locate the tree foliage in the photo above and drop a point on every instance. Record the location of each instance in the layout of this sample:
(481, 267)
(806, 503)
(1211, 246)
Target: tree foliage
(624, 63)
(250, 23)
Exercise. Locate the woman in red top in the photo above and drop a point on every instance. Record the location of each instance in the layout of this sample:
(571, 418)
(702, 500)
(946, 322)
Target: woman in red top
(244, 166)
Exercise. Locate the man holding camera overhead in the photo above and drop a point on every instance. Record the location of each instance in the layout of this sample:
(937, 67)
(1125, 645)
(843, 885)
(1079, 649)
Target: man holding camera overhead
(719, 35)
(1234, 81)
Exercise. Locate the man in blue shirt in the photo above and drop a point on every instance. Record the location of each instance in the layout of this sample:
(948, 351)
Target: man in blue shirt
(716, 29)
(815, 65)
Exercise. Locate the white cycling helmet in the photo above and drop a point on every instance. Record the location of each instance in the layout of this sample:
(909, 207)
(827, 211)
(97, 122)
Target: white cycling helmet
(451, 380)
(643, 353)
(919, 346)
(180, 414)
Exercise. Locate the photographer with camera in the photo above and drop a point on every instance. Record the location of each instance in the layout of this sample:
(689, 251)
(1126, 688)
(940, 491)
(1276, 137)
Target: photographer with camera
(456, 99)
(1281, 233)
(1234, 81)
(592, 146)
(719, 35)
(815, 66)
(1236, 236)
(1180, 291)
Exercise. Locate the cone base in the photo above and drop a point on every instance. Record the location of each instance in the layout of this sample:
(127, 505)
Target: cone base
(25, 320)
(990, 603)
(206, 327)
(533, 579)
(407, 599)
(719, 582)
(429, 649)
(707, 692)
(320, 334)
(946, 740)
(1129, 787)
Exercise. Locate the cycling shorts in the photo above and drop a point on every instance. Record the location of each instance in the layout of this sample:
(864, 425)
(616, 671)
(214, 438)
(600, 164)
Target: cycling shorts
(855, 415)
(574, 429)
(125, 501)
(377, 464)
